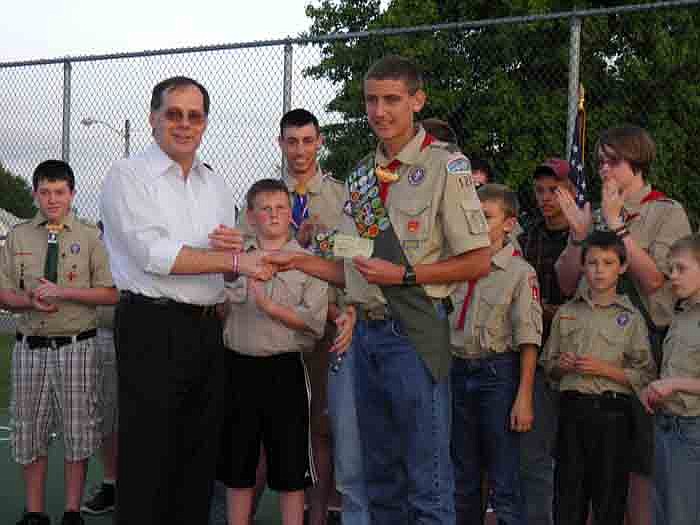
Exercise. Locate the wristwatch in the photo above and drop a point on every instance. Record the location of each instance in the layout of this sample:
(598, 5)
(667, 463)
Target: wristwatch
(409, 276)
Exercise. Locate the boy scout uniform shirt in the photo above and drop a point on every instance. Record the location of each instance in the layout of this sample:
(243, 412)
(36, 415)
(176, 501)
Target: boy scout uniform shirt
(82, 263)
(682, 359)
(250, 331)
(655, 224)
(433, 208)
(616, 333)
(504, 311)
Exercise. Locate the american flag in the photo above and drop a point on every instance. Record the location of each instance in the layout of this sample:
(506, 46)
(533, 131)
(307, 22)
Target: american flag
(577, 173)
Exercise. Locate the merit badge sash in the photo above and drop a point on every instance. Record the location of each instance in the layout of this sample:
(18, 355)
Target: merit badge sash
(427, 330)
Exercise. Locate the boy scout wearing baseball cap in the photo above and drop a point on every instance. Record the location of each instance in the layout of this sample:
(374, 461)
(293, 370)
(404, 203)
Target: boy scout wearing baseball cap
(599, 352)
(496, 330)
(54, 270)
(675, 397)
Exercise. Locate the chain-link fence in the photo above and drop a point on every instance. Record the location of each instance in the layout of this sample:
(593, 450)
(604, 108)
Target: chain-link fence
(507, 87)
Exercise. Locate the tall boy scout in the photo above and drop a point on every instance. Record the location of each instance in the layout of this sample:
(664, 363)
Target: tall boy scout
(496, 330)
(410, 204)
(54, 270)
(599, 352)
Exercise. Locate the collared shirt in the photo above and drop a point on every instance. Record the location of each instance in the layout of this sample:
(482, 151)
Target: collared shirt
(433, 208)
(655, 224)
(248, 330)
(150, 212)
(615, 333)
(504, 310)
(82, 263)
(682, 358)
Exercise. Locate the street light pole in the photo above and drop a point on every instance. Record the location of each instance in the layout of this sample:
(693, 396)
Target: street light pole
(125, 134)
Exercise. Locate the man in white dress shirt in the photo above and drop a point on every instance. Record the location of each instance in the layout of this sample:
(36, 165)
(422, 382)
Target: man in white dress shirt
(166, 218)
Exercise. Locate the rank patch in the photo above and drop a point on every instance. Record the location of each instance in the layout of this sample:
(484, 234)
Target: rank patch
(75, 248)
(416, 177)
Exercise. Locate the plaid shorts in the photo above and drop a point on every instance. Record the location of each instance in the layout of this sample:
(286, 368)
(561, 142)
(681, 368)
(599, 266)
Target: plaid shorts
(108, 363)
(55, 389)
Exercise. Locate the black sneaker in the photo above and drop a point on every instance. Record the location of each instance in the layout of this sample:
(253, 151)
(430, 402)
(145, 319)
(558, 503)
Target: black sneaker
(72, 518)
(100, 501)
(34, 518)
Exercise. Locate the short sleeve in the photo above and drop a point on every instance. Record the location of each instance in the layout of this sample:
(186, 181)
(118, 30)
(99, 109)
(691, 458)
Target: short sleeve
(463, 220)
(99, 266)
(527, 311)
(6, 265)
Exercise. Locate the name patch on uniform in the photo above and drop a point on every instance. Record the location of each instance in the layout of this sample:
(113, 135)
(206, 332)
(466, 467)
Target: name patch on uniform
(416, 177)
(75, 248)
(622, 319)
(458, 165)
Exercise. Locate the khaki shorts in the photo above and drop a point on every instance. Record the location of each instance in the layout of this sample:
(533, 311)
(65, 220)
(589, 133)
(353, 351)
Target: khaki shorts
(108, 362)
(55, 390)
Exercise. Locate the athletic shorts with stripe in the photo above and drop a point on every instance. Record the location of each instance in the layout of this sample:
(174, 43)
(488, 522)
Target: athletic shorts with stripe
(268, 402)
(55, 390)
(108, 364)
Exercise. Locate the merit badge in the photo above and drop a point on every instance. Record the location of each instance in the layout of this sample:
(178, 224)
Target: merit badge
(75, 248)
(373, 230)
(458, 165)
(622, 319)
(347, 208)
(413, 226)
(354, 196)
(383, 223)
(416, 177)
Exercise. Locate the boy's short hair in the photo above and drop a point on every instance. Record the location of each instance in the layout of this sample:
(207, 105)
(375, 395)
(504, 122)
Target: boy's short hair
(502, 194)
(265, 186)
(479, 164)
(298, 118)
(440, 129)
(689, 243)
(605, 240)
(394, 67)
(630, 143)
(52, 171)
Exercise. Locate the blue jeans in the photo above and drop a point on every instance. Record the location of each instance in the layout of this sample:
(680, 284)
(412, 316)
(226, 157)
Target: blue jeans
(483, 394)
(677, 470)
(537, 455)
(347, 452)
(404, 420)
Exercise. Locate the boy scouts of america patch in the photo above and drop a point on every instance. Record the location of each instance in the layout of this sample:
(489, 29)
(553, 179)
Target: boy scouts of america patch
(622, 319)
(416, 177)
(75, 248)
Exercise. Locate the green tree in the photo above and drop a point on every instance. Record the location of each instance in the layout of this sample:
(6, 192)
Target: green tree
(16, 195)
(503, 88)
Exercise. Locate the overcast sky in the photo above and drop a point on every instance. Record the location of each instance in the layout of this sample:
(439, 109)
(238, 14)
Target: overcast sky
(36, 29)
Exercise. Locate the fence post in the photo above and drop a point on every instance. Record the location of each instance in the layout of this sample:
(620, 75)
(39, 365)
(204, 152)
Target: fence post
(65, 136)
(574, 65)
(287, 89)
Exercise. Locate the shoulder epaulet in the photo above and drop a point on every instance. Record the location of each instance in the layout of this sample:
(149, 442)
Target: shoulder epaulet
(449, 147)
(331, 177)
(21, 223)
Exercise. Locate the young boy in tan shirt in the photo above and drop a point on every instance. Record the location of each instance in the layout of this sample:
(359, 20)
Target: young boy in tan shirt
(599, 352)
(267, 327)
(675, 396)
(496, 331)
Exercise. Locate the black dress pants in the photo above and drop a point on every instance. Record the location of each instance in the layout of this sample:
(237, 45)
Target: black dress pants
(170, 362)
(593, 457)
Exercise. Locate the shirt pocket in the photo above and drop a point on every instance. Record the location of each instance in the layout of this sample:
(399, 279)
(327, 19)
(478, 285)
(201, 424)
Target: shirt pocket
(412, 219)
(613, 345)
(74, 264)
(492, 329)
(476, 221)
(571, 336)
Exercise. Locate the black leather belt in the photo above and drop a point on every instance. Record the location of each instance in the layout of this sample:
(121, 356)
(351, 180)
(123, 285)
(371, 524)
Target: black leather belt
(607, 395)
(38, 341)
(163, 302)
